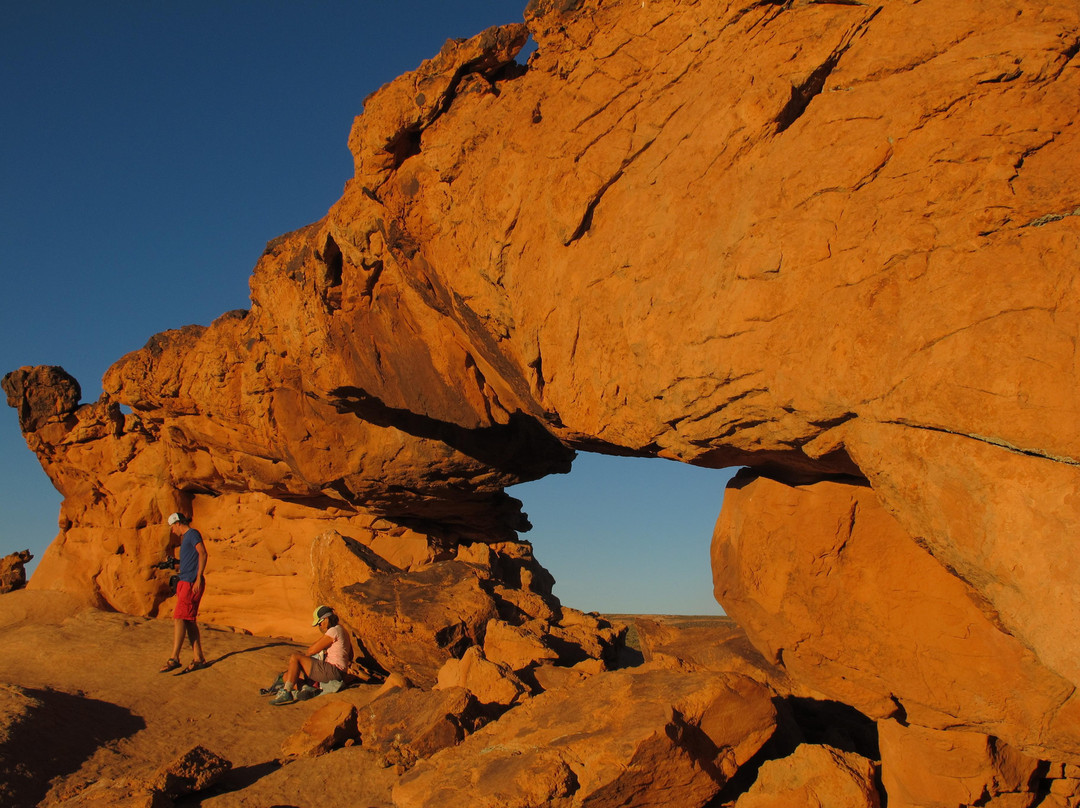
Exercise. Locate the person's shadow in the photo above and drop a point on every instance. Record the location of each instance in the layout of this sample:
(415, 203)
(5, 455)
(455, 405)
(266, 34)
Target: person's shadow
(278, 644)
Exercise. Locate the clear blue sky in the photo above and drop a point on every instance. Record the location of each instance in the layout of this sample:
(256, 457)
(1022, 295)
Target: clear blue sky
(149, 150)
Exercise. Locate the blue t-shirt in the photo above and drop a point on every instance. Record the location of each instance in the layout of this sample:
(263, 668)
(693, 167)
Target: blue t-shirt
(189, 556)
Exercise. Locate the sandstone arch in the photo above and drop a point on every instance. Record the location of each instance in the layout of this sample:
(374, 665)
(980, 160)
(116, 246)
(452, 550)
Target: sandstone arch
(791, 236)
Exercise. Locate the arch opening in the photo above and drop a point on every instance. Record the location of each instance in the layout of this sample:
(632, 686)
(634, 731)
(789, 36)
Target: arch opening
(627, 535)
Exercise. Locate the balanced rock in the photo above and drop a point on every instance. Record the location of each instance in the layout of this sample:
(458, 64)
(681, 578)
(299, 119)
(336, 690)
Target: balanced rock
(492, 683)
(516, 647)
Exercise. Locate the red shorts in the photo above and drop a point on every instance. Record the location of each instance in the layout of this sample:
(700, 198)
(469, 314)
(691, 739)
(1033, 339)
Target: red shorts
(187, 605)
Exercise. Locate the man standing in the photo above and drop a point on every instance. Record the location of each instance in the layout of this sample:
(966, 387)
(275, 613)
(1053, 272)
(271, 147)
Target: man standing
(189, 590)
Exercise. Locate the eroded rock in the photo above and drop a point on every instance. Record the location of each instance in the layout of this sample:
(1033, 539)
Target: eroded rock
(635, 737)
(13, 571)
(933, 769)
(325, 729)
(814, 777)
(407, 724)
(796, 236)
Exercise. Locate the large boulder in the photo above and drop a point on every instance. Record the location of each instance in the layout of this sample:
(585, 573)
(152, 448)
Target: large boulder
(898, 621)
(925, 768)
(406, 724)
(634, 738)
(815, 777)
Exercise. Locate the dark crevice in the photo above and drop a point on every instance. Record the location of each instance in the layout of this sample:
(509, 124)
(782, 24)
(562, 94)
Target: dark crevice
(329, 284)
(405, 144)
(586, 220)
(805, 721)
(1004, 78)
(537, 366)
(802, 95)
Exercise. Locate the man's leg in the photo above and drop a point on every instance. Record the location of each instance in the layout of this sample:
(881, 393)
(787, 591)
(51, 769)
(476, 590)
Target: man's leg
(196, 641)
(178, 638)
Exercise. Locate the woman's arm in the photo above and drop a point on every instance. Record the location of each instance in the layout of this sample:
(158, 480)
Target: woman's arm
(319, 645)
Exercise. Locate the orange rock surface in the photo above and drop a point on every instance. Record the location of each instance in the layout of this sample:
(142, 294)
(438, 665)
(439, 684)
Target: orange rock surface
(814, 777)
(834, 241)
(645, 738)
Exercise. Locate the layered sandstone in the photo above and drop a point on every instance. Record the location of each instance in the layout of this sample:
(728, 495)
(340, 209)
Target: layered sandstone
(833, 241)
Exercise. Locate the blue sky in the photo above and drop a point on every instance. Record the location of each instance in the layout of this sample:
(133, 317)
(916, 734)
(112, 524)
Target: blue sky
(148, 151)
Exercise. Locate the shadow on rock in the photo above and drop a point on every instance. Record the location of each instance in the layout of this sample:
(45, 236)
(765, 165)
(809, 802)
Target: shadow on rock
(237, 779)
(249, 650)
(53, 736)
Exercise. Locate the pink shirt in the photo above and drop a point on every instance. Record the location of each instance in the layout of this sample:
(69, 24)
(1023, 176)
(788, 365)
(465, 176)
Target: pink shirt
(340, 653)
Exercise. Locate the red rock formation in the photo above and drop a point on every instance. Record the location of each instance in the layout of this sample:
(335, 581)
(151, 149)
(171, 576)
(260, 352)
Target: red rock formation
(325, 729)
(924, 768)
(407, 724)
(13, 571)
(903, 638)
(813, 777)
(822, 238)
(645, 738)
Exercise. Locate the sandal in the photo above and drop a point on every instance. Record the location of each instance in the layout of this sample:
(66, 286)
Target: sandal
(171, 665)
(196, 665)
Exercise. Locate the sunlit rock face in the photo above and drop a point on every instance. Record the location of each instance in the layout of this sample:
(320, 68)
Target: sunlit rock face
(834, 241)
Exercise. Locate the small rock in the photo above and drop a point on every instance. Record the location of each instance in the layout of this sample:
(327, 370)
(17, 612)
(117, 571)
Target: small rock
(327, 728)
(195, 770)
(492, 684)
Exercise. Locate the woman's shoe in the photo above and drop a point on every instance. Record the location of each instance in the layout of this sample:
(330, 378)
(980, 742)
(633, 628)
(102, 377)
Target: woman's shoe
(284, 697)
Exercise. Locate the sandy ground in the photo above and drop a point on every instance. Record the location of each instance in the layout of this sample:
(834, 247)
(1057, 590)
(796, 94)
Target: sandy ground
(106, 719)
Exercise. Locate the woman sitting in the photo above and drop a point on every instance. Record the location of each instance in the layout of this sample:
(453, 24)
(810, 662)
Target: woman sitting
(338, 654)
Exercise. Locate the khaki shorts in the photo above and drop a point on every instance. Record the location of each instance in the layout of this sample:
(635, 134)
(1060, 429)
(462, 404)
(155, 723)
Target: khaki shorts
(324, 671)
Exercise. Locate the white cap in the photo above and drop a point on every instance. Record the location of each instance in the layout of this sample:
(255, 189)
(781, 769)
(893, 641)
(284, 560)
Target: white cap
(174, 518)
